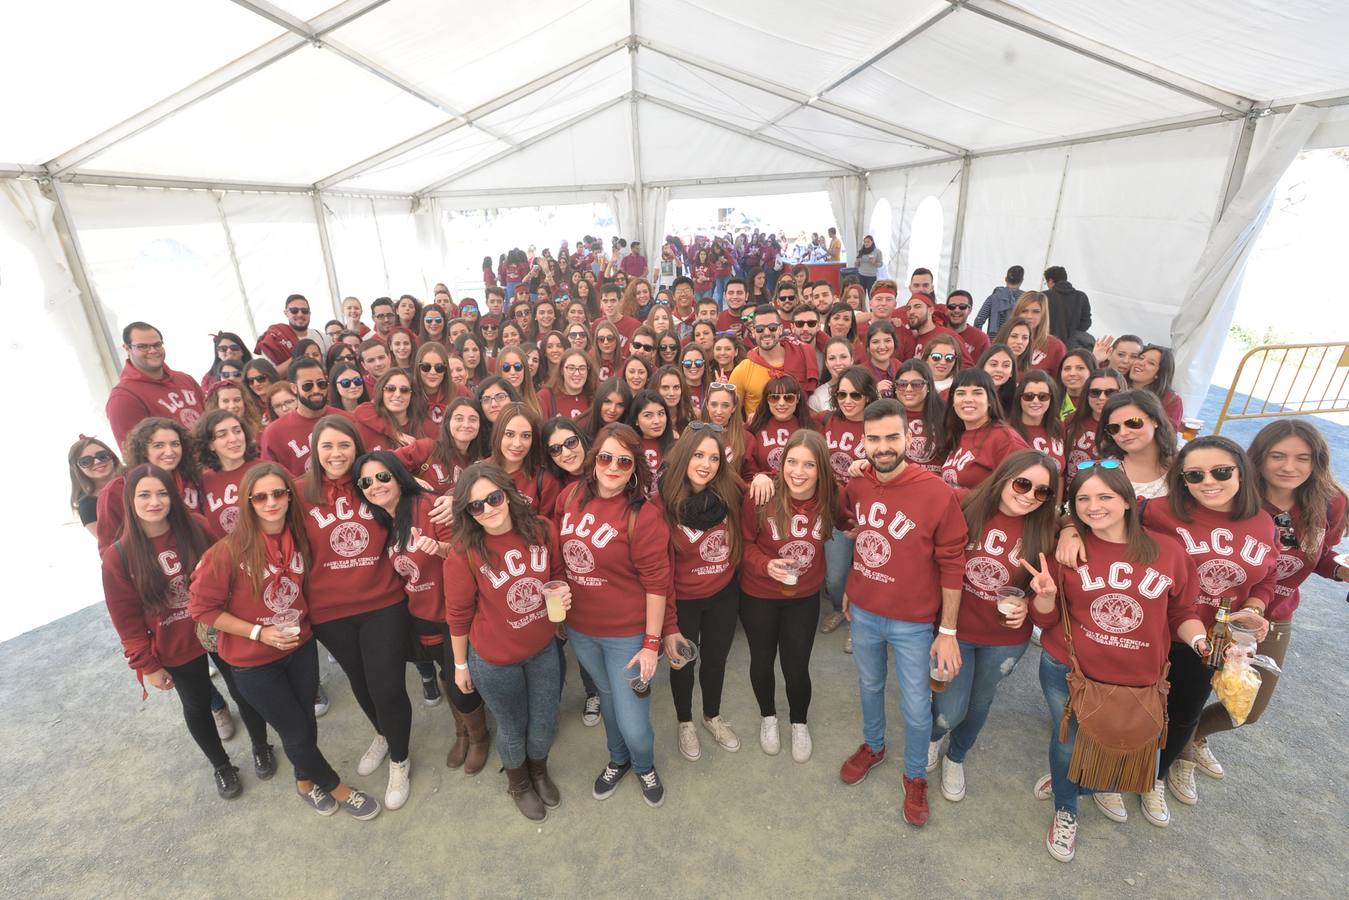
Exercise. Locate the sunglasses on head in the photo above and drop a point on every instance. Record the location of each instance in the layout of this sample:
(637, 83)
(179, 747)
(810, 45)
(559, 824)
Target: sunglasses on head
(659, 302)
(356, 381)
(722, 386)
(320, 383)
(433, 367)
(942, 357)
(570, 443)
(512, 367)
(1038, 397)
(1102, 392)
(1040, 492)
(97, 457)
(476, 507)
(692, 363)
(1133, 423)
(381, 477)
(1095, 463)
(700, 425)
(1219, 473)
(257, 498)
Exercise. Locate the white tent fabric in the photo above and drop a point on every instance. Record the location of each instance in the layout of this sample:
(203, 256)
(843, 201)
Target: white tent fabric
(1108, 138)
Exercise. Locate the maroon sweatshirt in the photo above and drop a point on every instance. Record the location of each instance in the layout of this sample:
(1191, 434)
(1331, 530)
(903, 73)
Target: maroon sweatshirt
(844, 439)
(921, 451)
(978, 453)
(1124, 615)
(1050, 358)
(1084, 448)
(286, 441)
(701, 559)
(1040, 440)
(421, 571)
(992, 561)
(770, 442)
(1294, 566)
(137, 396)
(973, 343)
(498, 601)
(540, 489)
(350, 573)
(910, 544)
(560, 403)
(763, 543)
(111, 509)
(220, 498)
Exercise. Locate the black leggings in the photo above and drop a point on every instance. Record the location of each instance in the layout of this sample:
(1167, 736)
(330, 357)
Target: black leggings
(709, 623)
(192, 684)
(784, 628)
(283, 692)
(1191, 684)
(372, 648)
(444, 654)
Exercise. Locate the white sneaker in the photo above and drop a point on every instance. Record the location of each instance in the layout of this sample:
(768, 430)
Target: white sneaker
(688, 741)
(379, 748)
(399, 784)
(847, 644)
(720, 730)
(1154, 805)
(802, 746)
(590, 712)
(1044, 788)
(768, 735)
(224, 725)
(1206, 761)
(1181, 782)
(1061, 840)
(1111, 806)
(933, 754)
(952, 779)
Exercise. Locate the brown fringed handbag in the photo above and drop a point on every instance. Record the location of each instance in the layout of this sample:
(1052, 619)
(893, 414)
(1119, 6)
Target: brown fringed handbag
(1119, 728)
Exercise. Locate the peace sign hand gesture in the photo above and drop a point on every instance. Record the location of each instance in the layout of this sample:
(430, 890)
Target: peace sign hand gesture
(1041, 580)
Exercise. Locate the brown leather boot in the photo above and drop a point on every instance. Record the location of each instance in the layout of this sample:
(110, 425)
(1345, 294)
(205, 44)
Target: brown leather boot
(459, 751)
(479, 741)
(522, 792)
(543, 784)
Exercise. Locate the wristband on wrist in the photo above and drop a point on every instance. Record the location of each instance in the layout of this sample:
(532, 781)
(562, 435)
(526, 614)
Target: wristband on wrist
(651, 642)
(1194, 641)
(461, 667)
(253, 635)
(949, 632)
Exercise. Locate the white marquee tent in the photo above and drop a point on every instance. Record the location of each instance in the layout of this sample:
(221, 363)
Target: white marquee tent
(288, 146)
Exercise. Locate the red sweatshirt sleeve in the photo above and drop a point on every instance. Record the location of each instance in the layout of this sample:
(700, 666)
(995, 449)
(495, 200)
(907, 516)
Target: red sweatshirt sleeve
(949, 545)
(125, 411)
(651, 558)
(110, 512)
(461, 593)
(753, 557)
(1325, 563)
(128, 618)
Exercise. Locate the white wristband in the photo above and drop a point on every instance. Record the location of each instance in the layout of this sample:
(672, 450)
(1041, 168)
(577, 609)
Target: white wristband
(461, 667)
(1194, 642)
(949, 632)
(253, 635)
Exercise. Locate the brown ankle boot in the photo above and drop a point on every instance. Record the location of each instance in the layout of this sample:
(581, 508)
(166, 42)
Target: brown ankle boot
(479, 741)
(543, 784)
(522, 792)
(459, 751)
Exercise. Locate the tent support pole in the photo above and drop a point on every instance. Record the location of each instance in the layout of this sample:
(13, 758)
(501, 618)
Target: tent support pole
(108, 357)
(1058, 204)
(958, 239)
(638, 200)
(1236, 169)
(321, 221)
(234, 262)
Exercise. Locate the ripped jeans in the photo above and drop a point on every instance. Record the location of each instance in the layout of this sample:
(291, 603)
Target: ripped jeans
(962, 709)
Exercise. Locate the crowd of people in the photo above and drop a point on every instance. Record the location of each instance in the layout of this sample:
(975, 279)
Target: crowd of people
(600, 465)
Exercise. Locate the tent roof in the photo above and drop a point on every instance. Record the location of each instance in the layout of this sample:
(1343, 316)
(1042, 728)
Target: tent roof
(398, 96)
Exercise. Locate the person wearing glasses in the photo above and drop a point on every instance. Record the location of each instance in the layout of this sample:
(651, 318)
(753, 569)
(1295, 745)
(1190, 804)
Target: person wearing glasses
(942, 355)
(783, 411)
(431, 369)
(572, 387)
(1036, 416)
(147, 387)
(286, 440)
(693, 365)
(1011, 516)
(1084, 424)
(578, 336)
(977, 434)
(770, 357)
(229, 351)
(513, 368)
(1135, 430)
(396, 415)
(243, 588)
(606, 352)
(346, 387)
(278, 342)
(805, 331)
(1130, 603)
(92, 465)
(431, 324)
(385, 316)
(973, 341)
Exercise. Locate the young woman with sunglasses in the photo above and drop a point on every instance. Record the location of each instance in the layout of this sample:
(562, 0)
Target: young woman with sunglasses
(1011, 517)
(469, 347)
(700, 497)
(942, 355)
(1001, 365)
(431, 324)
(727, 352)
(926, 414)
(1153, 371)
(226, 449)
(667, 349)
(418, 548)
(258, 373)
(164, 444)
(977, 433)
(229, 351)
(357, 604)
(578, 338)
(606, 357)
(513, 368)
(488, 331)
(669, 383)
(430, 369)
(1290, 468)
(92, 465)
(1133, 582)
(693, 365)
(347, 387)
(502, 640)
(396, 416)
(782, 412)
(1074, 372)
(838, 355)
(516, 447)
(1036, 416)
(616, 549)
(1134, 429)
(145, 586)
(1084, 425)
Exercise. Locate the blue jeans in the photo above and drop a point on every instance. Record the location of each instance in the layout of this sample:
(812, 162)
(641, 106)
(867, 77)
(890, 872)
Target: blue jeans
(871, 636)
(962, 709)
(837, 565)
(524, 700)
(627, 717)
(1054, 684)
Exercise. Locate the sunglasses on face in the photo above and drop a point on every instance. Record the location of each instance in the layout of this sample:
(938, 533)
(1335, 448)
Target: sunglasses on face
(1287, 535)
(693, 363)
(1102, 392)
(1036, 397)
(942, 357)
(807, 323)
(669, 348)
(605, 339)
(433, 320)
(433, 367)
(307, 386)
(760, 329)
(643, 347)
(230, 374)
(488, 326)
(851, 395)
(476, 507)
(97, 457)
(957, 307)
(1040, 492)
(1133, 423)
(383, 316)
(257, 498)
(229, 348)
(258, 379)
(608, 459)
(381, 477)
(780, 398)
(296, 310)
(570, 443)
(402, 389)
(512, 367)
(1219, 473)
(576, 335)
(356, 381)
(1098, 463)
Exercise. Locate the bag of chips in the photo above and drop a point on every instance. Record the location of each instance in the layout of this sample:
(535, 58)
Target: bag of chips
(1237, 683)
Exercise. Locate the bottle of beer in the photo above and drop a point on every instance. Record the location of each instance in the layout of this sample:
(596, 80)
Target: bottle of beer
(1220, 635)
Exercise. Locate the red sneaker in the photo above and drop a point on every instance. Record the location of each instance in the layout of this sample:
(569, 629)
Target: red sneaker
(856, 767)
(915, 801)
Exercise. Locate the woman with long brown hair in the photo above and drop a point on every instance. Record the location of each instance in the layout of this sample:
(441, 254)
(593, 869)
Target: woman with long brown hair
(571, 388)
(605, 352)
(237, 399)
(783, 411)
(1046, 351)
(161, 442)
(516, 447)
(1036, 415)
(431, 370)
(612, 399)
(513, 367)
(1083, 426)
(253, 590)
(226, 449)
(396, 414)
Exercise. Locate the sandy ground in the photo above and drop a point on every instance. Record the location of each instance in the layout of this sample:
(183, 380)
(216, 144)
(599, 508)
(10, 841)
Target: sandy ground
(105, 796)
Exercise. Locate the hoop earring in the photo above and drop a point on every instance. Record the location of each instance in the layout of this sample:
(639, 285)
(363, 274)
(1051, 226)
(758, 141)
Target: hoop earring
(632, 480)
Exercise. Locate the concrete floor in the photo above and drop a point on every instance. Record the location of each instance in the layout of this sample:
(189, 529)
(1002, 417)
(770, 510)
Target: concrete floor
(105, 796)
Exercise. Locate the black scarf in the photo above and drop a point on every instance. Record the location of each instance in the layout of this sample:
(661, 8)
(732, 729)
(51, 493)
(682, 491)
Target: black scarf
(702, 511)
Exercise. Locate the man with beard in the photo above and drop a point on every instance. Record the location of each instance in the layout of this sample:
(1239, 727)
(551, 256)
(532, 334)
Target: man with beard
(973, 342)
(908, 566)
(286, 441)
(769, 358)
(278, 342)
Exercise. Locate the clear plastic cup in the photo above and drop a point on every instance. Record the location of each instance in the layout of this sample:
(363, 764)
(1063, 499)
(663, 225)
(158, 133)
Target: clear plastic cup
(1190, 428)
(1009, 601)
(793, 569)
(287, 621)
(937, 677)
(640, 686)
(553, 592)
(686, 652)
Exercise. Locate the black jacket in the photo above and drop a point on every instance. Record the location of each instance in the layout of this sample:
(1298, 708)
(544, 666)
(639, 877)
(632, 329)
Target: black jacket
(1069, 311)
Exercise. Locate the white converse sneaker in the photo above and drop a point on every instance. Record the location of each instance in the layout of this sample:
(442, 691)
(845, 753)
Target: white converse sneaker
(688, 742)
(1208, 763)
(768, 735)
(1154, 805)
(370, 760)
(1044, 788)
(933, 754)
(399, 784)
(801, 743)
(721, 730)
(1061, 841)
(952, 779)
(1181, 782)
(1111, 806)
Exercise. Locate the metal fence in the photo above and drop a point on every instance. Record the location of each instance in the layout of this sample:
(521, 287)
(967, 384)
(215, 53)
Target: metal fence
(1288, 380)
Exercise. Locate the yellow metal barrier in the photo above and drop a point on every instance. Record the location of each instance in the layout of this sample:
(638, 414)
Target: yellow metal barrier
(1288, 380)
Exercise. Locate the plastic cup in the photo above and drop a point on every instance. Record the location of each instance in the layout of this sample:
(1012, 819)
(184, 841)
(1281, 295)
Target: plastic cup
(793, 570)
(938, 679)
(553, 592)
(1190, 428)
(686, 652)
(640, 686)
(287, 621)
(1009, 601)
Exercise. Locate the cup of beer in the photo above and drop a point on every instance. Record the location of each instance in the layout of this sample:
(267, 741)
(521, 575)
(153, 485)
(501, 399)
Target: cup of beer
(553, 592)
(1009, 601)
(287, 621)
(938, 677)
(685, 652)
(793, 566)
(1189, 428)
